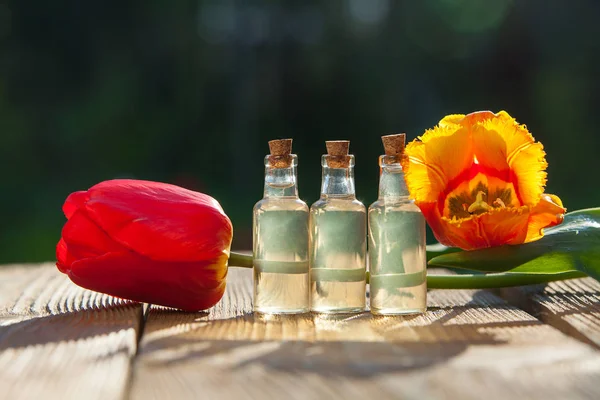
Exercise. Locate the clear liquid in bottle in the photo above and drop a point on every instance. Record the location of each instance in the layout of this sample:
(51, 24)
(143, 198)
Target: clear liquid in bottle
(397, 259)
(281, 257)
(338, 231)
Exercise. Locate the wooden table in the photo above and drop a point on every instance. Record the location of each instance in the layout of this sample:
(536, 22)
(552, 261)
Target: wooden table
(60, 341)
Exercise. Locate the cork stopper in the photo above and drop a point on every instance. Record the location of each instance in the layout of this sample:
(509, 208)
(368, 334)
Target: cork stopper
(281, 150)
(393, 146)
(337, 153)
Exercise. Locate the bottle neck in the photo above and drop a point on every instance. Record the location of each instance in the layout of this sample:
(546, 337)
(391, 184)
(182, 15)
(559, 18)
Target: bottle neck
(281, 182)
(338, 182)
(391, 181)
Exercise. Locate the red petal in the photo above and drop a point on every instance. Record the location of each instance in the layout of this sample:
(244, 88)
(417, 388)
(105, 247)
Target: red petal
(188, 286)
(494, 228)
(84, 238)
(160, 221)
(62, 257)
(75, 201)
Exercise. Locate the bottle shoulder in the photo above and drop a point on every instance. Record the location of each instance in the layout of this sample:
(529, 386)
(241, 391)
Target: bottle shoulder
(280, 204)
(332, 204)
(376, 204)
(399, 205)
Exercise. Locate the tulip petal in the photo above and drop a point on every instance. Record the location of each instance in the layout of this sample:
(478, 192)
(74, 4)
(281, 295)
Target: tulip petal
(74, 202)
(496, 227)
(85, 239)
(451, 120)
(63, 259)
(432, 215)
(198, 285)
(442, 155)
(160, 221)
(490, 149)
(547, 213)
(503, 143)
(82, 238)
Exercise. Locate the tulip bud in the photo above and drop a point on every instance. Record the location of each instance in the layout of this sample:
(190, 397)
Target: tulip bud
(146, 241)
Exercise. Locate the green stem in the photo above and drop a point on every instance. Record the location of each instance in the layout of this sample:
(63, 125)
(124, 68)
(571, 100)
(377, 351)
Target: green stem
(479, 281)
(487, 281)
(240, 260)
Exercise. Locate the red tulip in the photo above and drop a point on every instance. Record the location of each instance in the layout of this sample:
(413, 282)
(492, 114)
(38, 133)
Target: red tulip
(146, 241)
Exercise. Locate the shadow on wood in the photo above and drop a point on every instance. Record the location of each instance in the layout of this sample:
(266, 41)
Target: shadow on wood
(349, 359)
(67, 327)
(571, 306)
(59, 341)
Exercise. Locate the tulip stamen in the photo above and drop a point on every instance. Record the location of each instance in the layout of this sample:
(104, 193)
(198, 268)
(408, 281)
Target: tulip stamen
(479, 205)
(499, 203)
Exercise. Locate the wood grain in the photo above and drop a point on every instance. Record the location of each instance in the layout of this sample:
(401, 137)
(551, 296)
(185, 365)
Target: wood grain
(469, 345)
(571, 306)
(60, 341)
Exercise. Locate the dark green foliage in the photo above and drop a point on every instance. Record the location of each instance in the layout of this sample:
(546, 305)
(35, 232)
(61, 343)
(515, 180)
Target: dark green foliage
(189, 92)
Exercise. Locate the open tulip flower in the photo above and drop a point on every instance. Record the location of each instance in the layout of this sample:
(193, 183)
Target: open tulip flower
(479, 181)
(146, 241)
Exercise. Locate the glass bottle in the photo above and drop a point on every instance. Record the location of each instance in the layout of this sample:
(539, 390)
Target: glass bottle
(280, 237)
(397, 255)
(338, 240)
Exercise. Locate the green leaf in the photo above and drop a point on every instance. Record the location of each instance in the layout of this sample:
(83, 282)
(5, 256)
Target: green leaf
(437, 249)
(572, 246)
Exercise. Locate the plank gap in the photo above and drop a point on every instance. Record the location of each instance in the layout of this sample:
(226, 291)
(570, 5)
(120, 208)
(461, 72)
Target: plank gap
(144, 311)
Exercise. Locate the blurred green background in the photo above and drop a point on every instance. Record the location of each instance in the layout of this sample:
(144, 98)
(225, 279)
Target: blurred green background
(189, 92)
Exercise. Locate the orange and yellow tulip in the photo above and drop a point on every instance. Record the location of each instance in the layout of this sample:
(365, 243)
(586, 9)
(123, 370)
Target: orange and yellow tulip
(479, 181)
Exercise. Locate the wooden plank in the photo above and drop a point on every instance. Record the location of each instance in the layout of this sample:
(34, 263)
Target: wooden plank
(469, 345)
(60, 341)
(571, 306)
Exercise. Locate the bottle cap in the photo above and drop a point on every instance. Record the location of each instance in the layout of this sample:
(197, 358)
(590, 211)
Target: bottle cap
(281, 149)
(393, 146)
(337, 153)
